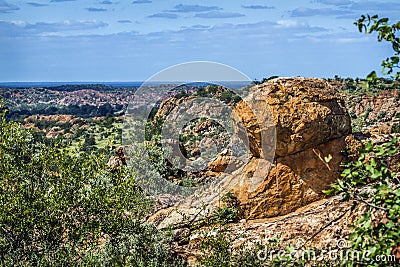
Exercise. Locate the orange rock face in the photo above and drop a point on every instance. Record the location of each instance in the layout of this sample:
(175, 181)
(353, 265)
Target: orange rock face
(292, 182)
(311, 122)
(305, 113)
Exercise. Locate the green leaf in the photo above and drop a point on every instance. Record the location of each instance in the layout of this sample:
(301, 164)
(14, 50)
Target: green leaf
(380, 151)
(358, 241)
(382, 20)
(328, 192)
(328, 159)
(369, 146)
(372, 77)
(397, 192)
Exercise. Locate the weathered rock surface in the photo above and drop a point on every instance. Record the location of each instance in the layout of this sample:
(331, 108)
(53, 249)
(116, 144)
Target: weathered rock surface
(311, 122)
(319, 225)
(293, 181)
(305, 112)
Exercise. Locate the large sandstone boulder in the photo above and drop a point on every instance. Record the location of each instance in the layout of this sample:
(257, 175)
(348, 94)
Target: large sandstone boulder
(310, 122)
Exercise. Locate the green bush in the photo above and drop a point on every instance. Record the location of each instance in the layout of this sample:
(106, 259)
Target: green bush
(217, 250)
(226, 96)
(377, 231)
(229, 212)
(61, 208)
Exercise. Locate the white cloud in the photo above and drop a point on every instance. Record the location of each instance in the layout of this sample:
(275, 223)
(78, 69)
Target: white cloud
(95, 9)
(34, 4)
(258, 7)
(22, 28)
(60, 1)
(141, 2)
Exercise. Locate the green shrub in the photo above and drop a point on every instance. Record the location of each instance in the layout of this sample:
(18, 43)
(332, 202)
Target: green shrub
(226, 96)
(230, 210)
(217, 250)
(62, 208)
(376, 233)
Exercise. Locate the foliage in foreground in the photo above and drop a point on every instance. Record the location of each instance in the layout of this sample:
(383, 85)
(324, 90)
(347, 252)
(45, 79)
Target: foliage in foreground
(377, 231)
(388, 33)
(62, 208)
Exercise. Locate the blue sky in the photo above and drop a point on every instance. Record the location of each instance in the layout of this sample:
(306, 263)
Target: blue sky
(115, 40)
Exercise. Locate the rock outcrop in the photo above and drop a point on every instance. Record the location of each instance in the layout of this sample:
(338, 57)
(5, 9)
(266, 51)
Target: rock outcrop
(306, 113)
(304, 228)
(377, 113)
(310, 122)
